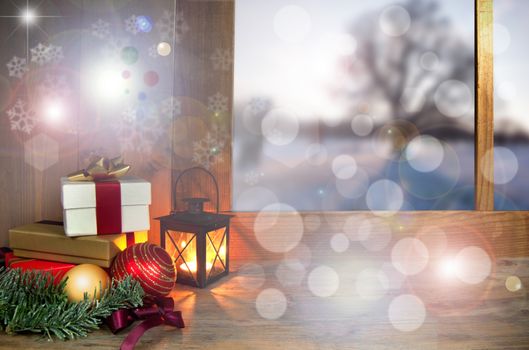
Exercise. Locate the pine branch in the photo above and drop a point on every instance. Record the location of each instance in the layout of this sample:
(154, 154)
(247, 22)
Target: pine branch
(30, 302)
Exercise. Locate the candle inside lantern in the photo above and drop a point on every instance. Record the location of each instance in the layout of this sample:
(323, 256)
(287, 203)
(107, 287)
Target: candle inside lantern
(192, 266)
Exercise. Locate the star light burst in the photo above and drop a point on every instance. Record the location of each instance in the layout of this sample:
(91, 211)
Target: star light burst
(29, 17)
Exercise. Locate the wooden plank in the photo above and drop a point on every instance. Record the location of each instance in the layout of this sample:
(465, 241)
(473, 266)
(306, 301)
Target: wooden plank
(484, 114)
(225, 315)
(501, 234)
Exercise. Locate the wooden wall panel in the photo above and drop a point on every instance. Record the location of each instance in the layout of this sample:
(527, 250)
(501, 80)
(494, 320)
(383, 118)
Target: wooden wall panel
(32, 160)
(204, 82)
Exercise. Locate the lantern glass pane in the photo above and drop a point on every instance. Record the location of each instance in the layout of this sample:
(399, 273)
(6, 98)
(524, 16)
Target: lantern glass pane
(182, 246)
(216, 252)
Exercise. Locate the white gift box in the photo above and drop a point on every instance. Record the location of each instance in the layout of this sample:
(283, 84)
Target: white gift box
(79, 204)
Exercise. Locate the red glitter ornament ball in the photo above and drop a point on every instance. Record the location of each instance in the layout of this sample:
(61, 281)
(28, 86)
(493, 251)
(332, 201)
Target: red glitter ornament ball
(148, 263)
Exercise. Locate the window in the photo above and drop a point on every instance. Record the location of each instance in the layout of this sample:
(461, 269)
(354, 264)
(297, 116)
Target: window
(511, 130)
(342, 106)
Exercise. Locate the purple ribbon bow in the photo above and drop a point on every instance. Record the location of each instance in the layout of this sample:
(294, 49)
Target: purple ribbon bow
(154, 313)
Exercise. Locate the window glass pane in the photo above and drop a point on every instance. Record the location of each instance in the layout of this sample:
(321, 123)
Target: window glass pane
(344, 105)
(511, 104)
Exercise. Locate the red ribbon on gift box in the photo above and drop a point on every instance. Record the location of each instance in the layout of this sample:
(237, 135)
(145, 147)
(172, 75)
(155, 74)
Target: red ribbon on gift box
(108, 207)
(154, 313)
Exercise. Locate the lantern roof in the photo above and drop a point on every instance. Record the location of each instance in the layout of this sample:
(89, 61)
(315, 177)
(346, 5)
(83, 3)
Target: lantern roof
(204, 219)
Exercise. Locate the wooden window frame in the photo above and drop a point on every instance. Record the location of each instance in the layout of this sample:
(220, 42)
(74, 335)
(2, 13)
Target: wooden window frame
(484, 112)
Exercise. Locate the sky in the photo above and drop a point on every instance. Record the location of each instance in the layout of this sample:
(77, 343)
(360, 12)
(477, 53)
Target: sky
(511, 71)
(288, 49)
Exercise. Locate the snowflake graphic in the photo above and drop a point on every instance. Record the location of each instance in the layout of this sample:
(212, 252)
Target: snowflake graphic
(21, 117)
(252, 178)
(40, 54)
(218, 103)
(100, 29)
(113, 47)
(171, 107)
(131, 25)
(208, 151)
(222, 59)
(153, 51)
(140, 134)
(258, 105)
(129, 114)
(55, 54)
(54, 86)
(171, 27)
(17, 67)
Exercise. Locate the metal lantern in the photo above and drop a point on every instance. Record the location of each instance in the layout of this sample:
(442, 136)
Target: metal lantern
(197, 240)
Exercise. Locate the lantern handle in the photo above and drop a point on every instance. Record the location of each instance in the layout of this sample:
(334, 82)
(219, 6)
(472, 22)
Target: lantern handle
(192, 169)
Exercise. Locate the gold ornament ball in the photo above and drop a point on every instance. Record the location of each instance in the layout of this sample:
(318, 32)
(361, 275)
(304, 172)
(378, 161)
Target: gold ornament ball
(85, 278)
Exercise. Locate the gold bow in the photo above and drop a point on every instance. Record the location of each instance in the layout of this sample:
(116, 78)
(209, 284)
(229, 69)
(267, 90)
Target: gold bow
(101, 169)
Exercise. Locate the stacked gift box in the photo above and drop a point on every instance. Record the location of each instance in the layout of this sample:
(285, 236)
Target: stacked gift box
(102, 216)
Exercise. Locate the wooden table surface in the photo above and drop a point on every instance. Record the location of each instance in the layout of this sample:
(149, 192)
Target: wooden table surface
(226, 316)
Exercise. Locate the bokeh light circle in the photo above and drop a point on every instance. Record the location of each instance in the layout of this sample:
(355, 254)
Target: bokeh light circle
(374, 234)
(502, 39)
(256, 198)
(409, 256)
(251, 276)
(344, 166)
(354, 187)
(300, 253)
(445, 177)
(290, 273)
(292, 24)
(453, 99)
(513, 283)
(407, 313)
(362, 124)
(129, 55)
(271, 304)
(474, 265)
(507, 91)
(316, 154)
(144, 24)
(339, 243)
(506, 165)
(425, 153)
(151, 78)
(394, 20)
(392, 138)
(323, 281)
(384, 195)
(274, 219)
(126, 74)
(163, 48)
(280, 126)
(429, 61)
(371, 284)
